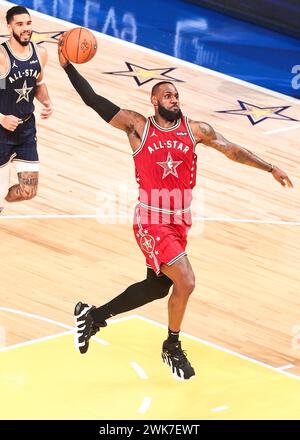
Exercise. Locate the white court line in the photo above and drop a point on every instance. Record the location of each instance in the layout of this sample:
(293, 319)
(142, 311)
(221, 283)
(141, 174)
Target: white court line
(141, 373)
(49, 216)
(129, 217)
(151, 321)
(2, 336)
(139, 370)
(178, 61)
(145, 405)
(167, 57)
(278, 130)
(101, 341)
(123, 318)
(218, 347)
(34, 341)
(220, 408)
(50, 321)
(31, 315)
(286, 367)
(247, 220)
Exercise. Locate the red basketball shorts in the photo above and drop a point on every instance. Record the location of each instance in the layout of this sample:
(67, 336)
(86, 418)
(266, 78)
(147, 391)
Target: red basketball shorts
(161, 237)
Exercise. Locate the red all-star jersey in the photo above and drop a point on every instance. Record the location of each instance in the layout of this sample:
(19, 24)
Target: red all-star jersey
(166, 165)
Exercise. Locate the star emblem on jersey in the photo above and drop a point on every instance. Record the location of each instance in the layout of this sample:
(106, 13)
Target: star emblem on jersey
(143, 75)
(170, 166)
(257, 114)
(23, 93)
(147, 243)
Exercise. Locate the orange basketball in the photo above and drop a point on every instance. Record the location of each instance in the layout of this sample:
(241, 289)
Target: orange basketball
(78, 45)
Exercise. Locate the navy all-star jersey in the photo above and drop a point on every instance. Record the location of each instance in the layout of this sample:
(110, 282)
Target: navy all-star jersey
(18, 87)
(20, 82)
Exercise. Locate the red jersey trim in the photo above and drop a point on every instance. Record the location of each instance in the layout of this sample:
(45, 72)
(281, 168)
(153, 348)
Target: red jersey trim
(141, 232)
(183, 254)
(190, 131)
(164, 211)
(144, 137)
(162, 128)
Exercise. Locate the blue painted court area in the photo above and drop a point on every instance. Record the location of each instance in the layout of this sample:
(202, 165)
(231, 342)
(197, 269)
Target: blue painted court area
(201, 36)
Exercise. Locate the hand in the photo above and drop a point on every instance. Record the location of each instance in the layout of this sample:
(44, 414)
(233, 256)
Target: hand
(62, 59)
(47, 110)
(282, 177)
(10, 122)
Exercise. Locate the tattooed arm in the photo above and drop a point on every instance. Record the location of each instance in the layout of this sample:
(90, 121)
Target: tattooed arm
(205, 134)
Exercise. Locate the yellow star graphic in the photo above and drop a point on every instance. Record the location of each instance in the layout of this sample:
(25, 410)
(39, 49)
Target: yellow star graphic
(143, 75)
(257, 114)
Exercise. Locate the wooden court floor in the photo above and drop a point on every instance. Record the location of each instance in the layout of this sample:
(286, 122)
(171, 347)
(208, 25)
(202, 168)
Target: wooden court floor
(74, 241)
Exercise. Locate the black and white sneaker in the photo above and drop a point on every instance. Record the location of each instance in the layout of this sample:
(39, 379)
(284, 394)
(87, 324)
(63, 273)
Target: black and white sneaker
(85, 326)
(176, 359)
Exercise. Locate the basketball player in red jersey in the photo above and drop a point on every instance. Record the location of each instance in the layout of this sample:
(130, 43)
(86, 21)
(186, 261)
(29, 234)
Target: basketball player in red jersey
(21, 80)
(163, 150)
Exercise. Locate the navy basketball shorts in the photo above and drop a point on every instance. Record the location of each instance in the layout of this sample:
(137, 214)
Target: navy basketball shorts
(20, 147)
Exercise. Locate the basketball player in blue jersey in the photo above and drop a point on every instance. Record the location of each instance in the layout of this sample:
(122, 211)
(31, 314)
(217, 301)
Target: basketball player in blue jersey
(21, 80)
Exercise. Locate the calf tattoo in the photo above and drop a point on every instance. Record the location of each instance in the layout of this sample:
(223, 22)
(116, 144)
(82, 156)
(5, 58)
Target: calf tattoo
(28, 181)
(26, 189)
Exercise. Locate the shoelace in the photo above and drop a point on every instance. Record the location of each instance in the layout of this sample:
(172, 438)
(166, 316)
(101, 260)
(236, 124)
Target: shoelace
(180, 355)
(96, 327)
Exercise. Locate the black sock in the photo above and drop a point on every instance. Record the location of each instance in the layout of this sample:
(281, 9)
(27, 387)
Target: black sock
(173, 336)
(134, 296)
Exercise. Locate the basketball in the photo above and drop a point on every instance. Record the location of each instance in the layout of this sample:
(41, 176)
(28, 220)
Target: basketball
(78, 45)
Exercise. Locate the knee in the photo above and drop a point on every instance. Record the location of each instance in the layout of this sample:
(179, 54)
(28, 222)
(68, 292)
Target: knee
(163, 287)
(188, 284)
(159, 287)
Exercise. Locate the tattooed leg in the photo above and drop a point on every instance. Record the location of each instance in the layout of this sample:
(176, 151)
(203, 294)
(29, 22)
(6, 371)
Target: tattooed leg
(26, 189)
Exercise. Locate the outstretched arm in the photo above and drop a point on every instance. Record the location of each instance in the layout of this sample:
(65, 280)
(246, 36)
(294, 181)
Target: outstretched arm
(205, 134)
(131, 122)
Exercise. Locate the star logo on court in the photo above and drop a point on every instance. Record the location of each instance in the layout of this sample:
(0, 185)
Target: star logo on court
(143, 75)
(41, 37)
(23, 93)
(46, 37)
(170, 166)
(257, 114)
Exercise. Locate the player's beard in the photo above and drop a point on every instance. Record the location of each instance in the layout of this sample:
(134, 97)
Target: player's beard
(18, 38)
(169, 115)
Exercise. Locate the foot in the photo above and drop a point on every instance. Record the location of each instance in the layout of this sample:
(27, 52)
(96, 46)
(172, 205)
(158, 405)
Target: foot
(176, 359)
(85, 326)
